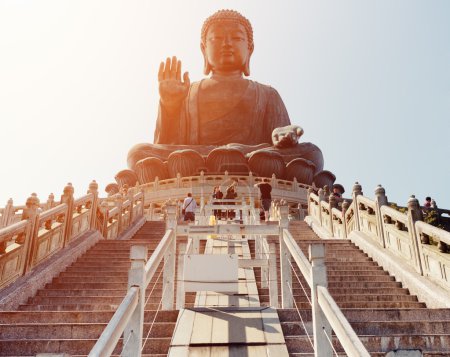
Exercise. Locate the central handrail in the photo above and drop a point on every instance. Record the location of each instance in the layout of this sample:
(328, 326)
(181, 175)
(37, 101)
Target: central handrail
(111, 335)
(323, 303)
(340, 325)
(157, 256)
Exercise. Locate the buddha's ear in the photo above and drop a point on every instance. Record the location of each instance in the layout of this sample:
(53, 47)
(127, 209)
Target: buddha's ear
(206, 65)
(247, 62)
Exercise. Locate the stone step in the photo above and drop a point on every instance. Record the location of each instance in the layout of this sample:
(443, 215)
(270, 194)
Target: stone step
(95, 300)
(10, 317)
(31, 347)
(73, 330)
(384, 328)
(435, 343)
(79, 307)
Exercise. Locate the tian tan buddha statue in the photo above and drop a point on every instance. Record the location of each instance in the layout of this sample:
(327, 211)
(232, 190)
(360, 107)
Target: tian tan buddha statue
(223, 122)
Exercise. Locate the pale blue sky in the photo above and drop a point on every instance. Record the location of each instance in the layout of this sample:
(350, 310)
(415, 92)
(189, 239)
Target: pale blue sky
(369, 81)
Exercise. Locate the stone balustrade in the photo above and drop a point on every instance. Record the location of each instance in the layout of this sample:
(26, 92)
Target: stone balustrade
(40, 231)
(158, 192)
(420, 245)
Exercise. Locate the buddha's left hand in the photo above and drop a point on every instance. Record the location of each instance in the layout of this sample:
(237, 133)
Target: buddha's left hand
(286, 136)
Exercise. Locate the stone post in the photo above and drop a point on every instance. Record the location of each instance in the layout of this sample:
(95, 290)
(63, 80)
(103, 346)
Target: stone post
(31, 214)
(50, 201)
(178, 180)
(321, 325)
(308, 200)
(294, 184)
(285, 261)
(104, 209)
(67, 198)
(321, 198)
(414, 215)
(273, 181)
(93, 189)
(251, 179)
(136, 278)
(357, 190)
(273, 279)
(380, 200)
(333, 203)
(170, 258)
(118, 202)
(8, 213)
(180, 275)
(345, 206)
(156, 184)
(130, 196)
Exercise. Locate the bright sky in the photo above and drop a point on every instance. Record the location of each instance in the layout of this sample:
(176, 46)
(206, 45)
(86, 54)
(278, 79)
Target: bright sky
(369, 81)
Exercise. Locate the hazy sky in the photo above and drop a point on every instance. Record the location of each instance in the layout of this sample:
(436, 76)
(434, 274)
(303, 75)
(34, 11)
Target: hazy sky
(369, 81)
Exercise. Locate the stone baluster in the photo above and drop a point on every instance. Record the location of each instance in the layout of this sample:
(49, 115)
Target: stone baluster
(273, 181)
(8, 214)
(133, 332)
(170, 258)
(67, 198)
(345, 206)
(321, 326)
(251, 179)
(156, 184)
(294, 184)
(357, 190)
(118, 202)
(321, 198)
(380, 200)
(30, 213)
(178, 180)
(308, 198)
(130, 196)
(285, 261)
(104, 209)
(93, 189)
(333, 202)
(415, 214)
(50, 201)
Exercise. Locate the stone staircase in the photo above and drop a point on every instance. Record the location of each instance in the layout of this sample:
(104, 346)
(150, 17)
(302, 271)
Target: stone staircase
(383, 313)
(69, 314)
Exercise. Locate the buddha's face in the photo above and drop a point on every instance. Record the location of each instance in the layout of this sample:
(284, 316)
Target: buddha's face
(226, 47)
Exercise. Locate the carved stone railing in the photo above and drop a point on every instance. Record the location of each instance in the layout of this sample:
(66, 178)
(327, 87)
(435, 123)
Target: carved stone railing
(201, 187)
(420, 245)
(41, 232)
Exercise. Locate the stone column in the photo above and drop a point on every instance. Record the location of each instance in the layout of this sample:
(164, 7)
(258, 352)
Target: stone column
(285, 262)
(170, 258)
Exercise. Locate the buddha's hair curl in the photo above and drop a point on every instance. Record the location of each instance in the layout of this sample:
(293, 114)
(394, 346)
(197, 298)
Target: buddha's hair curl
(228, 15)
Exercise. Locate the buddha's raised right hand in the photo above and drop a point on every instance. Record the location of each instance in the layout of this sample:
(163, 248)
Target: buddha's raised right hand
(171, 89)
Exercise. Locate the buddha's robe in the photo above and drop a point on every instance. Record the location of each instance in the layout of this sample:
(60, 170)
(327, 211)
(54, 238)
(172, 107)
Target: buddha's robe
(249, 124)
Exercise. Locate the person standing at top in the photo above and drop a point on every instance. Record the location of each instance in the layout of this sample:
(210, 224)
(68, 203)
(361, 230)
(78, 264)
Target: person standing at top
(266, 198)
(189, 207)
(217, 195)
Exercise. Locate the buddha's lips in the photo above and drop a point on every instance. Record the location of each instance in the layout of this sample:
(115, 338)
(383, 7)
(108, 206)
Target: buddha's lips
(227, 53)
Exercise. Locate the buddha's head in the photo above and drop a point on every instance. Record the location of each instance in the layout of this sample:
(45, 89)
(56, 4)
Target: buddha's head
(227, 43)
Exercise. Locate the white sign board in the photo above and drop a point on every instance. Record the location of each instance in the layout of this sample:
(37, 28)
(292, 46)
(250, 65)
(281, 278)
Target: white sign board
(211, 272)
